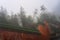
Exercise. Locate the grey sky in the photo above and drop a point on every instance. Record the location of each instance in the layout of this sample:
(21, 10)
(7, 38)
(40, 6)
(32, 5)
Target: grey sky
(28, 5)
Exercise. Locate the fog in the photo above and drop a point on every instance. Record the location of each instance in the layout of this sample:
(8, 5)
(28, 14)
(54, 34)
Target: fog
(28, 5)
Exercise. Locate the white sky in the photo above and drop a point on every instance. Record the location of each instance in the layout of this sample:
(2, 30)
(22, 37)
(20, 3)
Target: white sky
(28, 5)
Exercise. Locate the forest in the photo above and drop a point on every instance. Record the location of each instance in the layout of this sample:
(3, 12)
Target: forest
(20, 19)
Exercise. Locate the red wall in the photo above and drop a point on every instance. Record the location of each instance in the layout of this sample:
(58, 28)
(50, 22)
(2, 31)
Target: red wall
(9, 35)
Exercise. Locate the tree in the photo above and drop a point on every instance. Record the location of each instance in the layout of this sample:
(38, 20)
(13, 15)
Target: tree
(3, 15)
(22, 17)
(35, 15)
(43, 8)
(29, 22)
(14, 20)
(50, 18)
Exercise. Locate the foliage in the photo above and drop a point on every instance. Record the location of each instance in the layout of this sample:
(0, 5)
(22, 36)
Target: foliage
(16, 20)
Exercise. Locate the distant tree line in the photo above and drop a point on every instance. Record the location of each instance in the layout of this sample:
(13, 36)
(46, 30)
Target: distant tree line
(20, 19)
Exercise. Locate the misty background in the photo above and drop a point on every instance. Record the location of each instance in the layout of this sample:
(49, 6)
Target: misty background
(28, 5)
(30, 13)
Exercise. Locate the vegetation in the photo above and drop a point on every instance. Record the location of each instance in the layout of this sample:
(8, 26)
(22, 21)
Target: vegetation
(20, 20)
